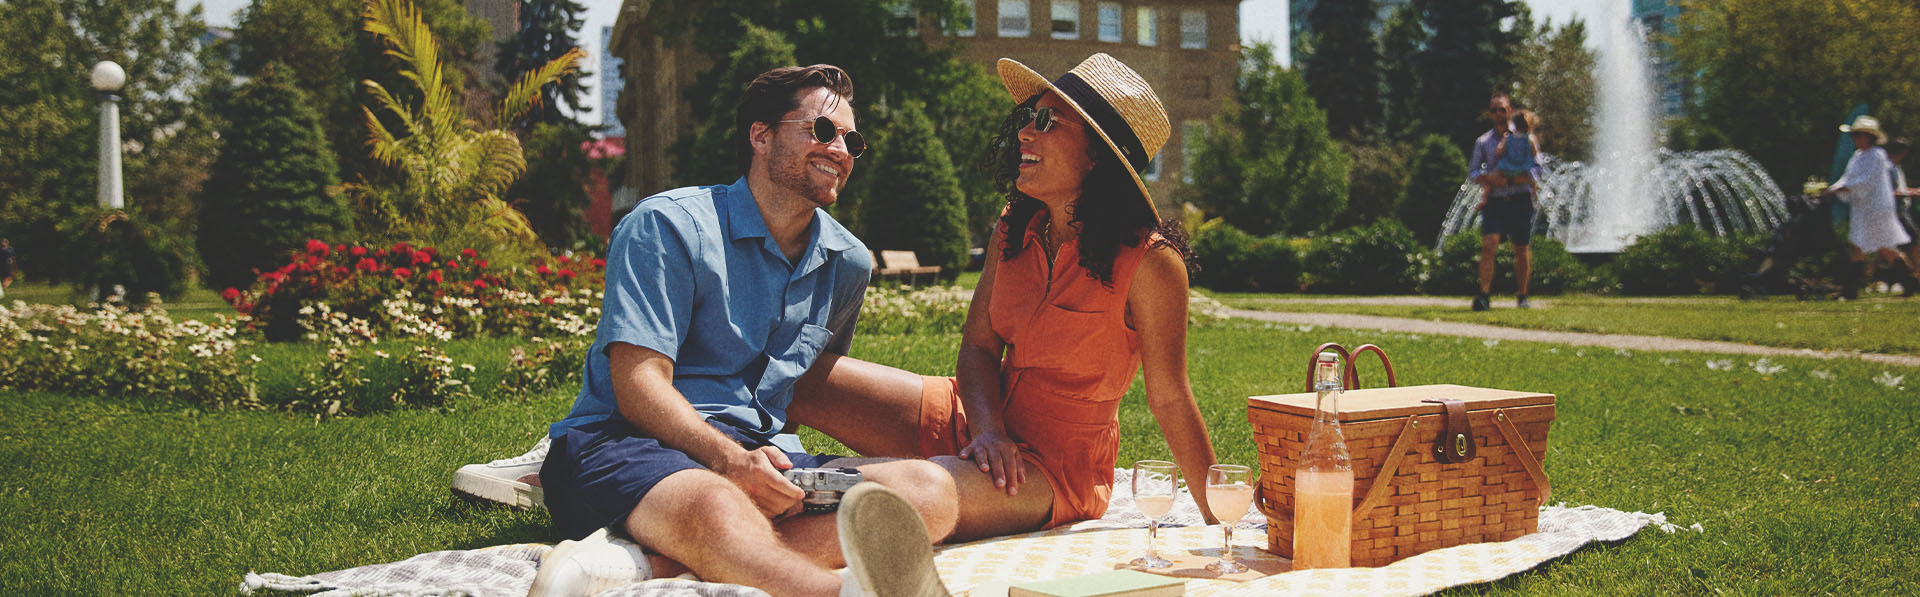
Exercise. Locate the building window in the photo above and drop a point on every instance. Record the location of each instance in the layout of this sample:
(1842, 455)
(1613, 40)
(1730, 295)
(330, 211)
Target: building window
(901, 21)
(964, 28)
(1110, 21)
(1147, 26)
(1192, 133)
(1193, 29)
(1013, 18)
(1066, 19)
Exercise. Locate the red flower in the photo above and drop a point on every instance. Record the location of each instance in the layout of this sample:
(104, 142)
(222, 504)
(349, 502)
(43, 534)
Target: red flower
(273, 277)
(230, 295)
(565, 259)
(434, 276)
(546, 301)
(379, 253)
(469, 253)
(367, 264)
(566, 273)
(482, 264)
(542, 269)
(479, 283)
(341, 271)
(402, 247)
(422, 258)
(357, 251)
(316, 248)
(451, 264)
(401, 272)
(599, 264)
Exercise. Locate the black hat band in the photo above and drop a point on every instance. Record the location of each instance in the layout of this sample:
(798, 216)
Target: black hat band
(1106, 118)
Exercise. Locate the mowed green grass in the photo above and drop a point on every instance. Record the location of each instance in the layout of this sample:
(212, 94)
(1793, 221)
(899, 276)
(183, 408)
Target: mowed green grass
(1805, 480)
(1883, 323)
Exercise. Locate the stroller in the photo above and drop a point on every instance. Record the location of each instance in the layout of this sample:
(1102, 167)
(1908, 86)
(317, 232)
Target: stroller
(1808, 232)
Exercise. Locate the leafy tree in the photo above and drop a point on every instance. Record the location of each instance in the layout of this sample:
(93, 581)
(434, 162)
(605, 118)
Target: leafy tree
(1267, 164)
(1400, 45)
(451, 172)
(1438, 170)
(1556, 83)
(711, 155)
(1375, 180)
(1775, 78)
(552, 193)
(1344, 70)
(547, 29)
(269, 190)
(1468, 56)
(921, 207)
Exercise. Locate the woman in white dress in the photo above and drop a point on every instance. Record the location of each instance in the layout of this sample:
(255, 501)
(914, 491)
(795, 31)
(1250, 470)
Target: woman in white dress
(1875, 226)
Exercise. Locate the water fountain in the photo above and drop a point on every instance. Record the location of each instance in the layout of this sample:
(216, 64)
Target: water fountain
(1634, 187)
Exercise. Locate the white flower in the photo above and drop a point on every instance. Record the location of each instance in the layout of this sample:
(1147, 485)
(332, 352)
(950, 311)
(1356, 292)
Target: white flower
(1490, 342)
(1766, 367)
(1888, 379)
(381, 353)
(1623, 352)
(1669, 361)
(1720, 365)
(468, 366)
(1822, 374)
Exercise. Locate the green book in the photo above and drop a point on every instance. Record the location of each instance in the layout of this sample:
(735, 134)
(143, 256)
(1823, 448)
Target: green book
(1112, 583)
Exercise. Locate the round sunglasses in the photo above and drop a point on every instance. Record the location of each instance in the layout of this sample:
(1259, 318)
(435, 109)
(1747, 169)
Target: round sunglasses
(1043, 119)
(824, 131)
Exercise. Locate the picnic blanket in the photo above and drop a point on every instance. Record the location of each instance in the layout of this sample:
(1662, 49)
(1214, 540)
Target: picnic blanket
(986, 567)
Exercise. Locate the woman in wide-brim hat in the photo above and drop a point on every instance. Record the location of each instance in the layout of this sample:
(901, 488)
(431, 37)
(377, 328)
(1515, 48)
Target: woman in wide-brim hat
(1083, 287)
(1875, 222)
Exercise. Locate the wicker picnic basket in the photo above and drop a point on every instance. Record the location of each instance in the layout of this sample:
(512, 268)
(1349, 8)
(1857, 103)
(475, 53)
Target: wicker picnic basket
(1427, 474)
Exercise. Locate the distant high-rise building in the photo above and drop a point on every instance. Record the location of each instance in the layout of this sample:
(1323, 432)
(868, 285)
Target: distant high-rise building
(611, 82)
(1656, 19)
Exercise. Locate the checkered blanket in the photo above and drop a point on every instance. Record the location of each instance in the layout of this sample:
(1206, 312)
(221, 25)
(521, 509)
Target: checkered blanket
(1077, 549)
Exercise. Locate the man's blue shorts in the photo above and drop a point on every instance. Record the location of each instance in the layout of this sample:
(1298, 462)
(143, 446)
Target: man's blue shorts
(1511, 217)
(595, 474)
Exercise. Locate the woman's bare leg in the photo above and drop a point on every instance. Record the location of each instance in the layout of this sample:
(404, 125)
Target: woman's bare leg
(872, 408)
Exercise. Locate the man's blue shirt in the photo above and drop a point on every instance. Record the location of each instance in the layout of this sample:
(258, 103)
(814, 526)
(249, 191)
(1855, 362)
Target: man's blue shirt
(694, 274)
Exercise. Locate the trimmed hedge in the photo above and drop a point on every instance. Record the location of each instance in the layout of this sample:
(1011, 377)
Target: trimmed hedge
(1379, 258)
(1457, 269)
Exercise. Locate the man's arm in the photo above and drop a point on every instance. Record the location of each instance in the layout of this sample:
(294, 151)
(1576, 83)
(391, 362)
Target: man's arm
(1480, 165)
(643, 388)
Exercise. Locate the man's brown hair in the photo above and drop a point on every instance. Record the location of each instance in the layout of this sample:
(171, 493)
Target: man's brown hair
(776, 92)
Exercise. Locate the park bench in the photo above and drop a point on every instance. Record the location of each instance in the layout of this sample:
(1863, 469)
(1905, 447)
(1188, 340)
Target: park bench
(903, 264)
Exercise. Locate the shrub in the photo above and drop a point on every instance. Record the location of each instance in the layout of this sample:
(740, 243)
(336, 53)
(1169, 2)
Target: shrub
(374, 380)
(1438, 171)
(1382, 257)
(1457, 269)
(1681, 260)
(118, 248)
(914, 311)
(115, 352)
(551, 364)
(1231, 260)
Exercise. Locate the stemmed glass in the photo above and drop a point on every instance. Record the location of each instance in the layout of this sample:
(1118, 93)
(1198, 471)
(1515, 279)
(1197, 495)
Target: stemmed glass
(1155, 483)
(1229, 492)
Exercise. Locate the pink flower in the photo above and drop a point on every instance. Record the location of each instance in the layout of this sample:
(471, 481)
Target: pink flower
(316, 248)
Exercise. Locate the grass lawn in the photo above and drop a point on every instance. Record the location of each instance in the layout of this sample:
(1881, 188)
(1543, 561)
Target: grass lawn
(1804, 479)
(196, 303)
(1884, 324)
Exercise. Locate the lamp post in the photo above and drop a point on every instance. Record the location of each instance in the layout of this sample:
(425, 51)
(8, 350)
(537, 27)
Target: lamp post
(108, 78)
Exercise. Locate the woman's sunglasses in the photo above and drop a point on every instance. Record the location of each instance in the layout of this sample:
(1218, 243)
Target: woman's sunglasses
(824, 130)
(1043, 119)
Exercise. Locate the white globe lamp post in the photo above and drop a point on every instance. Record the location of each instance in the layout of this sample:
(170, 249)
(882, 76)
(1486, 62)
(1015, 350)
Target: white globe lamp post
(109, 78)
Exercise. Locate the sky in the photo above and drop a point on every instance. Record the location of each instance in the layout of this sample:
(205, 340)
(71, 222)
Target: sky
(1260, 20)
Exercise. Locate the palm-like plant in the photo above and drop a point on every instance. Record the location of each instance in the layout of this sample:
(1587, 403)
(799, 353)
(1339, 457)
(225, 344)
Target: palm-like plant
(452, 171)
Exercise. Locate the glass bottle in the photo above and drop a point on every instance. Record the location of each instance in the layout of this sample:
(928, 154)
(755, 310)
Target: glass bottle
(1323, 484)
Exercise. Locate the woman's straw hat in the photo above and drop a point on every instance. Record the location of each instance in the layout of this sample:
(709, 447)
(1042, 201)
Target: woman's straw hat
(1866, 124)
(1113, 99)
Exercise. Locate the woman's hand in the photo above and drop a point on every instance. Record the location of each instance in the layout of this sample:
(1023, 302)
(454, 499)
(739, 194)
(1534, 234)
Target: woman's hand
(999, 457)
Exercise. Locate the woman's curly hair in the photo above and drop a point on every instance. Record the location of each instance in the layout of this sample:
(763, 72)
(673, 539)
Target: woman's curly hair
(1116, 214)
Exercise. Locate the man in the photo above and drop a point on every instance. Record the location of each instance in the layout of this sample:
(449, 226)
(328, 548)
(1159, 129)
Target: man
(1508, 208)
(1903, 197)
(6, 265)
(718, 299)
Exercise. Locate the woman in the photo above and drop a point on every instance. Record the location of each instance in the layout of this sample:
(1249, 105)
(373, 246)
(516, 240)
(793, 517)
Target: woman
(1867, 187)
(1082, 287)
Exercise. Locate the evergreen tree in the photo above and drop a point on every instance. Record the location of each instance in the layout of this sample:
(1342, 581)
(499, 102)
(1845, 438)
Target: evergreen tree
(547, 29)
(1469, 56)
(1405, 36)
(1375, 179)
(1344, 71)
(1267, 164)
(1438, 170)
(268, 191)
(553, 193)
(917, 204)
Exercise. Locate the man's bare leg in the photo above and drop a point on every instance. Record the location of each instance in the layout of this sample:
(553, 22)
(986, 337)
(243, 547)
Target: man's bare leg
(1489, 248)
(701, 519)
(872, 408)
(1523, 266)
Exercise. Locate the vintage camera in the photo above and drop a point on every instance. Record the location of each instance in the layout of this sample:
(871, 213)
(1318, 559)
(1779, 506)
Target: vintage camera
(824, 486)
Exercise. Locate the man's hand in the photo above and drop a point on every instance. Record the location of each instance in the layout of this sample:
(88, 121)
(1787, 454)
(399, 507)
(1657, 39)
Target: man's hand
(998, 457)
(757, 472)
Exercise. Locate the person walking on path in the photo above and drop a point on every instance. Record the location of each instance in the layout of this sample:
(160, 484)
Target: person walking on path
(1904, 200)
(1867, 187)
(1506, 212)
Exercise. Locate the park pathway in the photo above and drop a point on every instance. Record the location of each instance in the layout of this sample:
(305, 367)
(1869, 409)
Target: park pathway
(1476, 330)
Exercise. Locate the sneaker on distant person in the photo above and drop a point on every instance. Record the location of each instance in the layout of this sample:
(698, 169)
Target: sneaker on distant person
(512, 481)
(597, 563)
(1521, 302)
(1482, 302)
(886, 546)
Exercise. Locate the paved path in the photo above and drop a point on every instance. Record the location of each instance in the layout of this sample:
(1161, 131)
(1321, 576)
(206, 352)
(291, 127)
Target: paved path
(1476, 330)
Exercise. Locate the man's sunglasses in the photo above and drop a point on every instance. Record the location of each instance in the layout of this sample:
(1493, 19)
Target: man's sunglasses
(1043, 119)
(824, 130)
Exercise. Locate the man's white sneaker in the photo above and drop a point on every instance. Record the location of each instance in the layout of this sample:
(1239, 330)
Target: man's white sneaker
(886, 546)
(597, 563)
(512, 481)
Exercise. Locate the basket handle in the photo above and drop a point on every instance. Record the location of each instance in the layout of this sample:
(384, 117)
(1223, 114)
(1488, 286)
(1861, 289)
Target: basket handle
(1351, 373)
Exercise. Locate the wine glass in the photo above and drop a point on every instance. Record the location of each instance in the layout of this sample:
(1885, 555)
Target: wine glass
(1155, 482)
(1229, 492)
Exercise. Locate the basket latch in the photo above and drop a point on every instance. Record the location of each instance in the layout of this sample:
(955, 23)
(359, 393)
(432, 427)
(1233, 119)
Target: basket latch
(1455, 444)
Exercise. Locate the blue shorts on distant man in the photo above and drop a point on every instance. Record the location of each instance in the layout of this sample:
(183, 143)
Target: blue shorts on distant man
(1509, 216)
